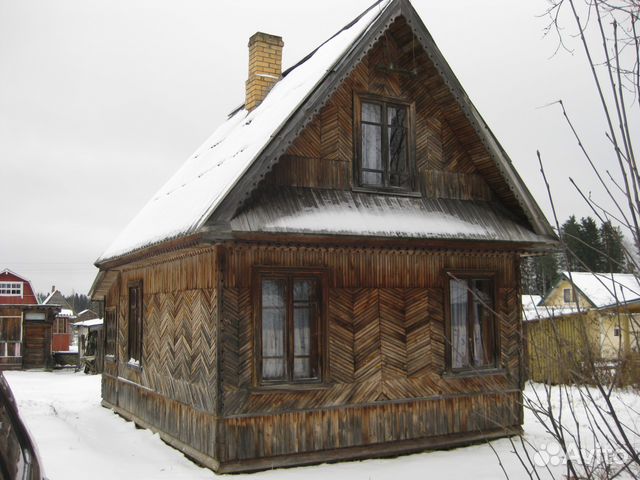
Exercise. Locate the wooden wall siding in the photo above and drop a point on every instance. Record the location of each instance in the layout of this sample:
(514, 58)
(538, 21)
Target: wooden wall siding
(386, 340)
(557, 350)
(451, 160)
(298, 432)
(176, 390)
(192, 427)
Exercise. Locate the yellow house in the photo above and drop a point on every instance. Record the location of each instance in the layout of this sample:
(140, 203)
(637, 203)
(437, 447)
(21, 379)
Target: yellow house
(585, 315)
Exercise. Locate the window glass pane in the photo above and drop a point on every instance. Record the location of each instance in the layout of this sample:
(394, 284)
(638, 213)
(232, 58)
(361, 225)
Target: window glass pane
(396, 116)
(273, 327)
(398, 168)
(302, 368)
(304, 298)
(482, 322)
(371, 112)
(302, 332)
(272, 368)
(372, 152)
(459, 335)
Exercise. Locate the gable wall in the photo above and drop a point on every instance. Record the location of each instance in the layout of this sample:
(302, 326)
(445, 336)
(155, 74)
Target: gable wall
(322, 156)
(28, 296)
(556, 297)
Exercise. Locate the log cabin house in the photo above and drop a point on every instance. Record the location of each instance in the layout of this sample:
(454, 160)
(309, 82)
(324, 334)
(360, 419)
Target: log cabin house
(25, 325)
(334, 274)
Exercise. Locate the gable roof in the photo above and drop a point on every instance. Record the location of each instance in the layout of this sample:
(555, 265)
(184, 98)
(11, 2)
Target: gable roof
(606, 289)
(224, 171)
(8, 272)
(56, 298)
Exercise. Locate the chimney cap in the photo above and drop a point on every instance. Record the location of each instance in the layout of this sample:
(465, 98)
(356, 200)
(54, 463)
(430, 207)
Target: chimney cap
(267, 38)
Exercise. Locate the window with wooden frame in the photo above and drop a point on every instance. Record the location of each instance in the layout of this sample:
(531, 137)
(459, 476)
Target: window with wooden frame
(61, 325)
(471, 326)
(289, 326)
(384, 139)
(10, 336)
(111, 332)
(11, 289)
(568, 295)
(134, 341)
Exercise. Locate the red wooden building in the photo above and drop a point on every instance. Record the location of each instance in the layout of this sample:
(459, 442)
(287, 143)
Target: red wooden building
(62, 336)
(25, 326)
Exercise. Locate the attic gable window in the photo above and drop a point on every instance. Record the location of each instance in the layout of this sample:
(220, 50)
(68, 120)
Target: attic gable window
(384, 140)
(11, 289)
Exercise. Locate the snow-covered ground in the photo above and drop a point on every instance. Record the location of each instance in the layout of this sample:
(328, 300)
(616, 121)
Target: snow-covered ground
(79, 439)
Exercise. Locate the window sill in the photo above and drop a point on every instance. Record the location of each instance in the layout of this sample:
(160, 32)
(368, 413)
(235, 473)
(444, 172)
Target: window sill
(385, 191)
(288, 387)
(479, 372)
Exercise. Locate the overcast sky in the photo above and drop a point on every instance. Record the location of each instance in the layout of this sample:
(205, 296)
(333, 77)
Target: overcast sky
(102, 100)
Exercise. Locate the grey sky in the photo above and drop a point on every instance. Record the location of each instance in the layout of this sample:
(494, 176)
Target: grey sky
(101, 101)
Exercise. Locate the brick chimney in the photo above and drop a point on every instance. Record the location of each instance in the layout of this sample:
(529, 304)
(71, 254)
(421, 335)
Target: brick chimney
(265, 67)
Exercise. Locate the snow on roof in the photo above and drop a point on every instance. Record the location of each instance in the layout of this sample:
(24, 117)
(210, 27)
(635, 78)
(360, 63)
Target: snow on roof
(185, 202)
(539, 312)
(606, 289)
(65, 312)
(530, 301)
(341, 212)
(89, 323)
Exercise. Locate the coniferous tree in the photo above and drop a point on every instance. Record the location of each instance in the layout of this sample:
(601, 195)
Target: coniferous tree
(570, 235)
(613, 259)
(590, 248)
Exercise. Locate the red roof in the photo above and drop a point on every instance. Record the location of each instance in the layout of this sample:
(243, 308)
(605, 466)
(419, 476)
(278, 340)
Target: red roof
(27, 297)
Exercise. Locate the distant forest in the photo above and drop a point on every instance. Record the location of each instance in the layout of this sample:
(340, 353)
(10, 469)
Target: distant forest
(591, 248)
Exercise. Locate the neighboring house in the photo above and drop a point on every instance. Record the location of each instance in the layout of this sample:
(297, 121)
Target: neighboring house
(86, 315)
(318, 281)
(25, 326)
(62, 334)
(598, 311)
(90, 344)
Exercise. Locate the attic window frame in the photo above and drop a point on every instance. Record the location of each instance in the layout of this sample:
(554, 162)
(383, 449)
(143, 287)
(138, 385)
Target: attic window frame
(11, 289)
(384, 102)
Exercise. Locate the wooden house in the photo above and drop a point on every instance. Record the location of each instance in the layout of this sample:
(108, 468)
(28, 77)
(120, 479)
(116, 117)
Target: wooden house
(25, 326)
(584, 315)
(62, 336)
(334, 274)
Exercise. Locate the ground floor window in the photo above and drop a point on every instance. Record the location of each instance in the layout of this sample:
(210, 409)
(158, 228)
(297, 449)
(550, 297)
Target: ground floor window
(472, 330)
(289, 326)
(134, 340)
(111, 332)
(10, 336)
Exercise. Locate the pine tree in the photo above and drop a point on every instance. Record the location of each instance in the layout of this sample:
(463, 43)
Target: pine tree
(571, 237)
(613, 259)
(590, 249)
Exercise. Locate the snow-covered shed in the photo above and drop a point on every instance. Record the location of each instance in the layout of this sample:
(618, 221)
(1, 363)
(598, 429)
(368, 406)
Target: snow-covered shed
(334, 273)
